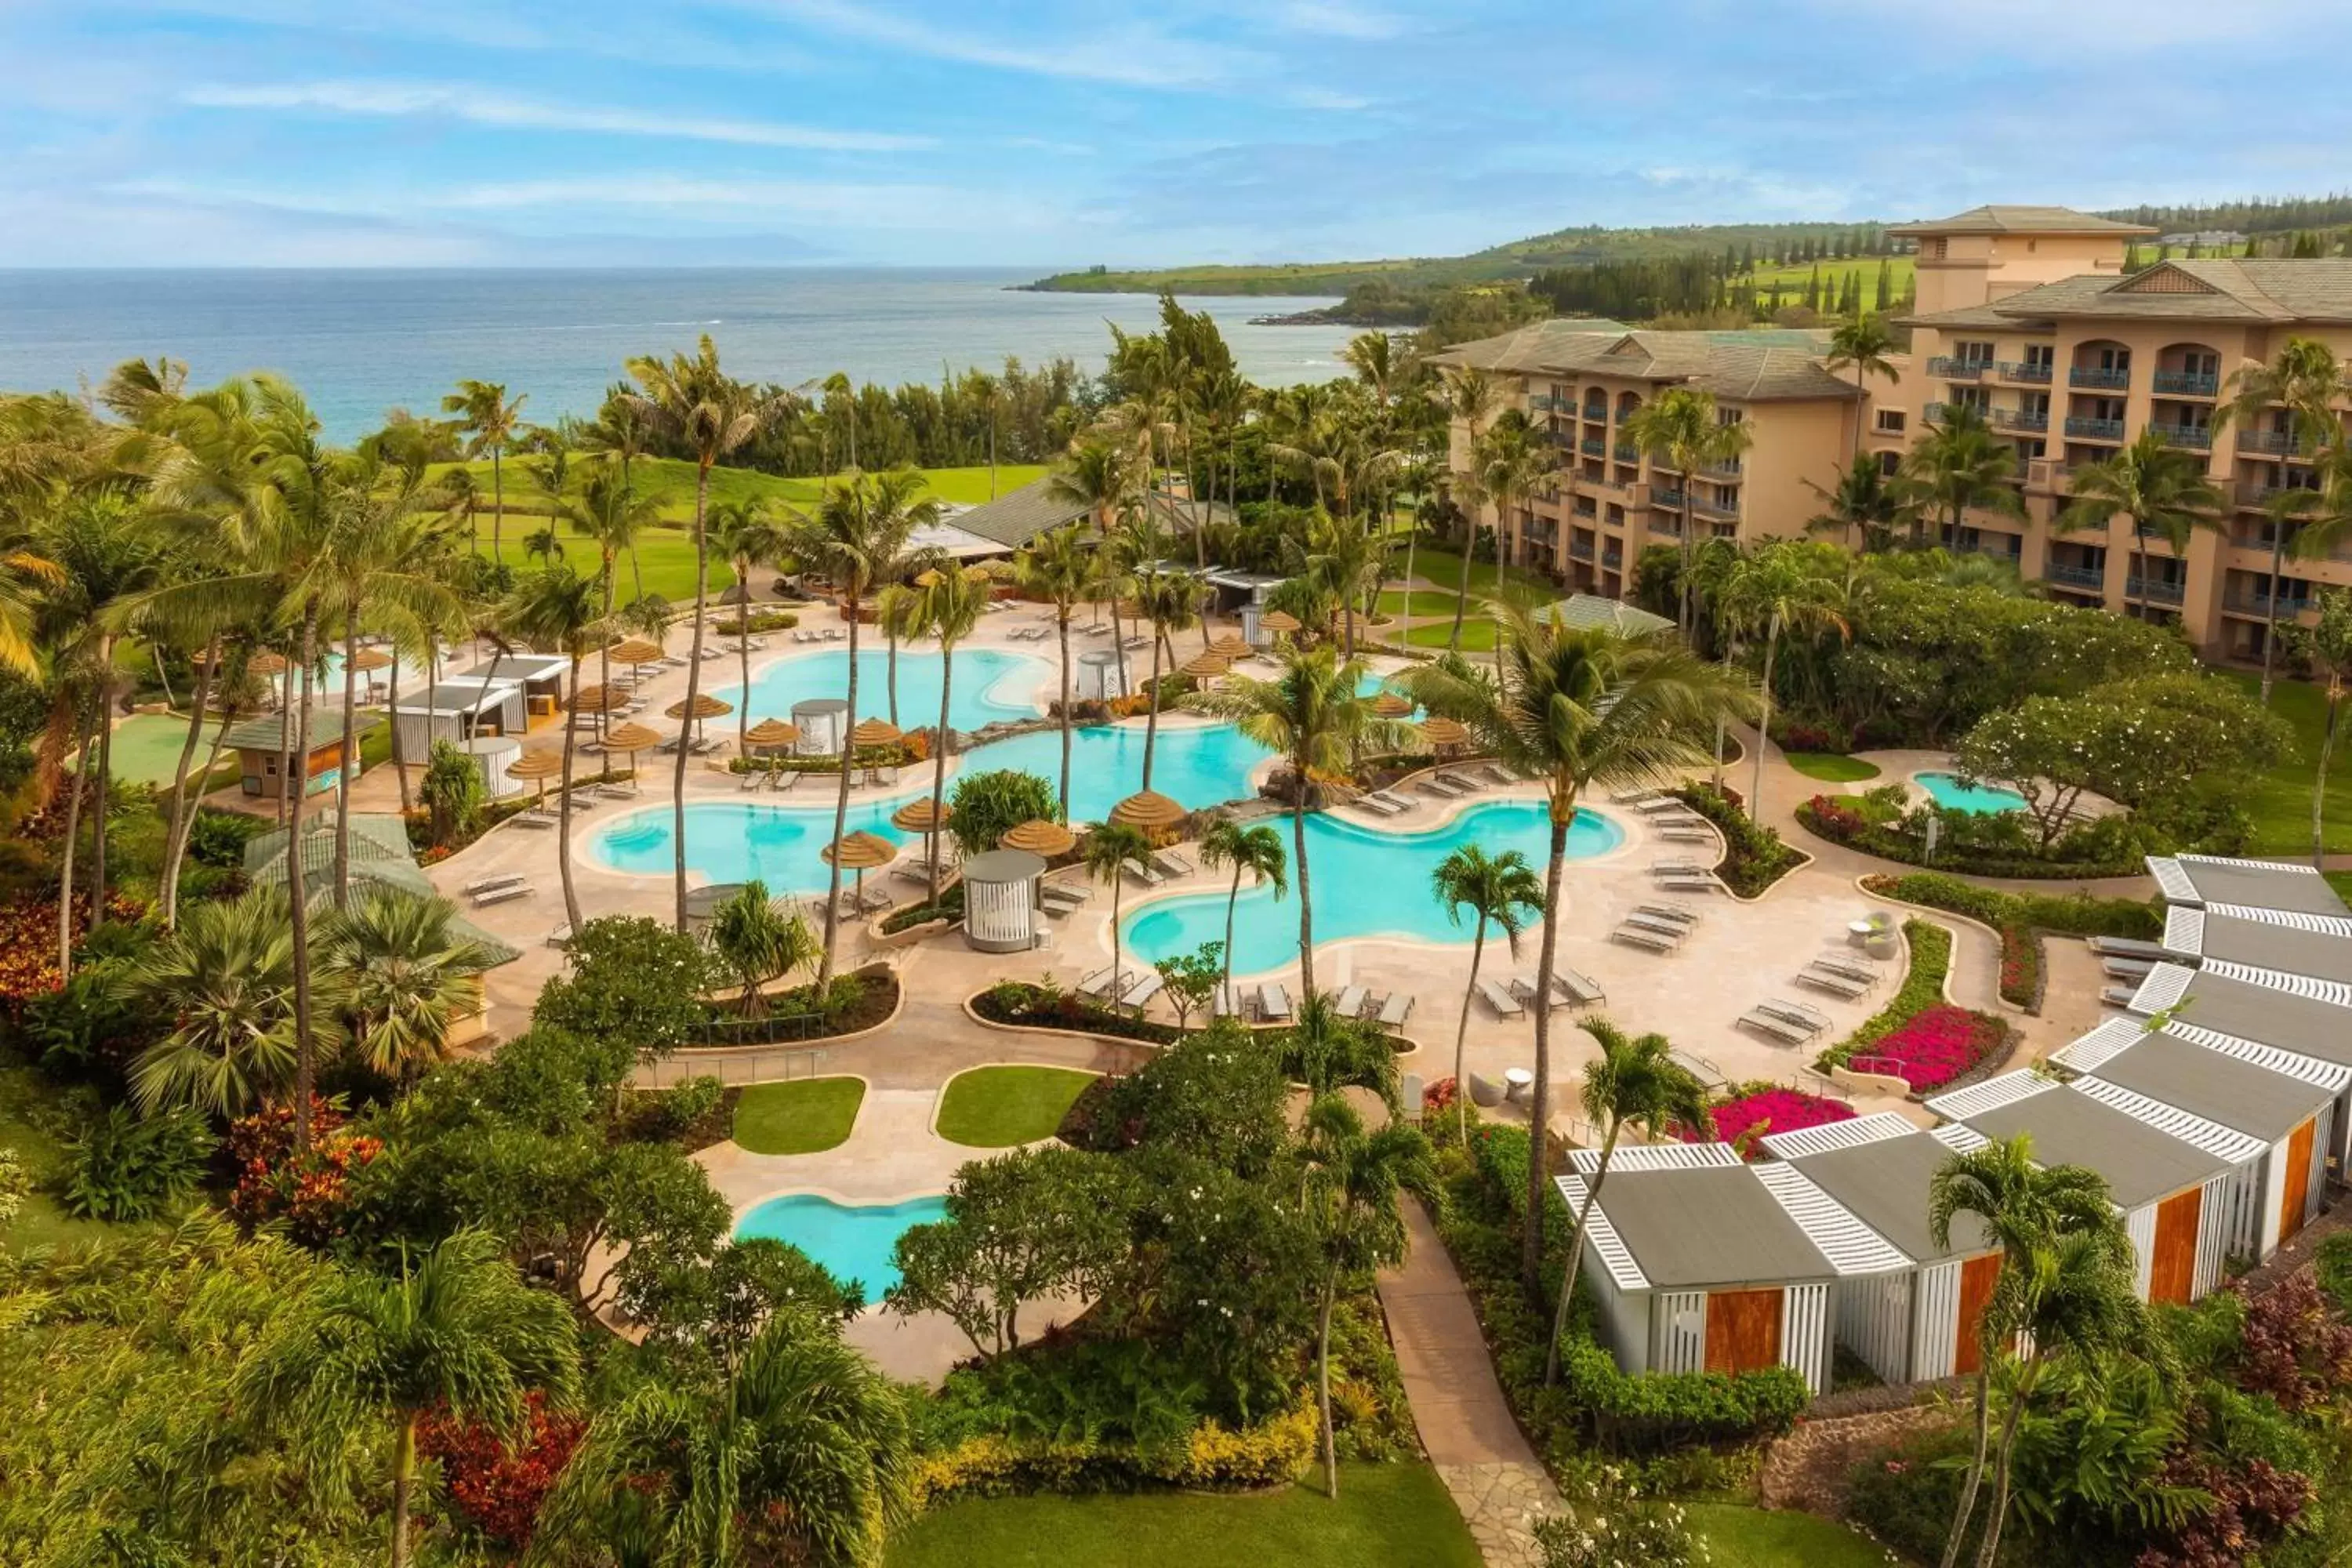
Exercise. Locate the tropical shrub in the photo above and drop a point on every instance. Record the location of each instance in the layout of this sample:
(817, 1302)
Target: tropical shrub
(130, 1168)
(1754, 858)
(453, 795)
(310, 1193)
(1608, 1523)
(2022, 917)
(217, 838)
(498, 1484)
(634, 981)
(15, 1182)
(1936, 1045)
(2335, 1270)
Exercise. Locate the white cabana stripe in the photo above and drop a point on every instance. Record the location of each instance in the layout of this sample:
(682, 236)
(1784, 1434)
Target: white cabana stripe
(1656, 1157)
(2171, 880)
(2303, 985)
(1851, 1246)
(1990, 1094)
(2319, 925)
(1602, 1239)
(1852, 1133)
(2164, 986)
(2332, 1076)
(2240, 863)
(2102, 1045)
(1960, 1138)
(2221, 1142)
(2184, 931)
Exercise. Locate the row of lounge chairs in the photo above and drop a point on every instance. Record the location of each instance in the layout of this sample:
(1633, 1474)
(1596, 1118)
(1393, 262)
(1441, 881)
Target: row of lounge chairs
(1164, 865)
(1842, 974)
(1444, 784)
(1790, 1023)
(775, 781)
(1029, 633)
(484, 891)
(1511, 998)
(1127, 988)
(824, 634)
(1685, 877)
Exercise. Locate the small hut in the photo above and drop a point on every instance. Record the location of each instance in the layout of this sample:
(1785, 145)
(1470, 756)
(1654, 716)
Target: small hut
(1000, 900)
(822, 722)
(260, 747)
(1100, 676)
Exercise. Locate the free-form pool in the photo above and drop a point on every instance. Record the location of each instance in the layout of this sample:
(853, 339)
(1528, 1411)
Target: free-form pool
(852, 1241)
(741, 840)
(1947, 791)
(991, 684)
(1194, 764)
(1367, 882)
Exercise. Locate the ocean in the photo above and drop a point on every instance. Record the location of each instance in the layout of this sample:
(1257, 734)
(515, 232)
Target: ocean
(360, 342)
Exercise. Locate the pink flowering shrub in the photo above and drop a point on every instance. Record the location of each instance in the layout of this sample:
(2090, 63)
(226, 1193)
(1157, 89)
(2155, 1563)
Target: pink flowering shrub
(1936, 1047)
(1769, 1111)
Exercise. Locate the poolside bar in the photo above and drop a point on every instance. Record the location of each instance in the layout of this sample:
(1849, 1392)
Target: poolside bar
(260, 748)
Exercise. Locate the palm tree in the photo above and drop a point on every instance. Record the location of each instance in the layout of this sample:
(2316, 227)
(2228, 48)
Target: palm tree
(759, 942)
(1169, 602)
(858, 538)
(898, 610)
(1316, 715)
(559, 610)
(952, 600)
(2326, 647)
(1373, 357)
(1348, 564)
(226, 978)
(2024, 1209)
(1256, 850)
(1515, 466)
(1354, 1182)
(2161, 489)
(749, 537)
(1864, 503)
(1783, 586)
(404, 975)
(1100, 476)
(609, 513)
(1634, 1079)
(491, 424)
(1059, 566)
(1682, 431)
(1106, 853)
(458, 1334)
(800, 1454)
(1861, 344)
(694, 402)
(1500, 891)
(1959, 465)
(2306, 380)
(1580, 707)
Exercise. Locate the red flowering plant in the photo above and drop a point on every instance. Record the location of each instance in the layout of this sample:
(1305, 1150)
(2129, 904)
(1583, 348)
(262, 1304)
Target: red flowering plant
(310, 1191)
(29, 943)
(499, 1484)
(1833, 818)
(1745, 1118)
(1439, 1095)
(1938, 1044)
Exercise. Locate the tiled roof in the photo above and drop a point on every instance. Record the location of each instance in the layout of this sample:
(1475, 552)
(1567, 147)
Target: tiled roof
(1580, 610)
(1765, 365)
(1015, 518)
(2271, 289)
(268, 733)
(1999, 219)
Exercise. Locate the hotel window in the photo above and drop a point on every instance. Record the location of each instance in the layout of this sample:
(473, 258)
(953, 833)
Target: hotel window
(1975, 397)
(2113, 358)
(1937, 249)
(1888, 463)
(1972, 352)
(2043, 356)
(1890, 421)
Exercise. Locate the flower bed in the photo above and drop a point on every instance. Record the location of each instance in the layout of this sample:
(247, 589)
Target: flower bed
(1754, 858)
(1936, 1047)
(2020, 918)
(1757, 1111)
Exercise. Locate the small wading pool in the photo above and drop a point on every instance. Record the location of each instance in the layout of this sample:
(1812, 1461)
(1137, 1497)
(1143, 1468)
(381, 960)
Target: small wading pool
(1947, 791)
(852, 1241)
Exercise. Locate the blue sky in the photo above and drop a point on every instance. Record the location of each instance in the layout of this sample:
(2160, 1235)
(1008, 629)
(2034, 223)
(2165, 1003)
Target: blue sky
(419, 132)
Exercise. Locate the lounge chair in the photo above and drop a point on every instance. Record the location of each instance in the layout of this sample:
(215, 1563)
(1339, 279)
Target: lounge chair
(2128, 968)
(1824, 979)
(1100, 981)
(1373, 1004)
(876, 898)
(1795, 1012)
(753, 778)
(1689, 882)
(1682, 912)
(1140, 994)
(2128, 947)
(1494, 775)
(1061, 896)
(1372, 802)
(1677, 868)
(1453, 784)
(1273, 1002)
(673, 661)
(1226, 1002)
(1658, 806)
(1504, 1004)
(500, 895)
(1524, 990)
(1581, 990)
(915, 871)
(2118, 995)
(559, 936)
(1392, 798)
(533, 818)
(1633, 796)
(1645, 938)
(1350, 1001)
(1433, 790)
(1664, 927)
(1395, 1011)
(1687, 836)
(1778, 1027)
(1168, 863)
(1845, 963)
(1150, 876)
(614, 791)
(787, 780)
(480, 885)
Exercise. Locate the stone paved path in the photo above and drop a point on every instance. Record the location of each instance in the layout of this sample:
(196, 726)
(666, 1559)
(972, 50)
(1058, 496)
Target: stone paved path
(1457, 1406)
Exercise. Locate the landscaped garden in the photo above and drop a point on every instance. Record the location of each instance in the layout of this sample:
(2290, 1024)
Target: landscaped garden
(1831, 767)
(998, 1107)
(1748, 1113)
(804, 1117)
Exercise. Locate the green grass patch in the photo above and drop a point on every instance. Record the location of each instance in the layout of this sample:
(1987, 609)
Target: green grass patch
(2342, 882)
(1385, 1514)
(1478, 634)
(1794, 276)
(1425, 602)
(1831, 767)
(799, 1118)
(146, 747)
(1742, 1537)
(996, 1108)
(2279, 797)
(25, 1126)
(1444, 568)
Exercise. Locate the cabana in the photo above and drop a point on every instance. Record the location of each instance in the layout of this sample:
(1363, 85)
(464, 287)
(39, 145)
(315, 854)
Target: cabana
(2307, 1016)
(2312, 947)
(260, 747)
(1916, 1320)
(541, 676)
(2176, 1178)
(2292, 1104)
(1698, 1266)
(822, 722)
(1000, 900)
(1101, 675)
(458, 707)
(2206, 880)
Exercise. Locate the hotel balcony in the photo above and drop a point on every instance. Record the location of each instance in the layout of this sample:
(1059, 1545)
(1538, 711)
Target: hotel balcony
(2255, 494)
(2098, 378)
(2029, 375)
(2278, 442)
(2088, 579)
(1662, 497)
(2187, 384)
(2021, 419)
(1661, 523)
(1626, 452)
(2154, 590)
(1593, 446)
(2095, 429)
(2257, 601)
(1596, 415)
(1580, 550)
(1545, 403)
(2196, 437)
(1728, 468)
(1944, 367)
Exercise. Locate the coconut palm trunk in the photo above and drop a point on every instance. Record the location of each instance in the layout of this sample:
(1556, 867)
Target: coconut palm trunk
(73, 833)
(306, 1064)
(563, 808)
(2270, 605)
(403, 1471)
(1061, 624)
(399, 753)
(743, 669)
(2319, 784)
(1462, 1035)
(1539, 1096)
(498, 512)
(351, 757)
(693, 682)
(1576, 1249)
(890, 670)
(105, 772)
(939, 766)
(841, 812)
(1763, 726)
(1305, 901)
(1323, 1383)
(183, 810)
(1232, 898)
(1151, 715)
(1968, 1503)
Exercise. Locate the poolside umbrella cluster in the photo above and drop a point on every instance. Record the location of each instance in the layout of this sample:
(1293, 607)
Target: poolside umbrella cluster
(860, 852)
(539, 766)
(636, 653)
(630, 738)
(704, 706)
(1444, 734)
(1148, 811)
(369, 658)
(1039, 837)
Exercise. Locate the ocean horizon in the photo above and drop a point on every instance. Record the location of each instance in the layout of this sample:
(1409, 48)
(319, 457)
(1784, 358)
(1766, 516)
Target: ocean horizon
(363, 342)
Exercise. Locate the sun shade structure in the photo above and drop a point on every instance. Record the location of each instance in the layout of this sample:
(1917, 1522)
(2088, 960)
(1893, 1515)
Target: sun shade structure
(598, 699)
(266, 663)
(918, 816)
(874, 733)
(1444, 734)
(539, 766)
(369, 658)
(2177, 1177)
(1278, 621)
(2201, 879)
(1039, 837)
(772, 732)
(1205, 667)
(704, 706)
(2316, 947)
(1149, 810)
(1911, 1323)
(1231, 646)
(637, 651)
(1389, 705)
(860, 852)
(2293, 1105)
(1701, 1267)
(1000, 900)
(631, 738)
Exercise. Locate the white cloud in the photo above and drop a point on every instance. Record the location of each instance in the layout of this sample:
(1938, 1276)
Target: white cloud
(480, 107)
(1337, 19)
(1128, 56)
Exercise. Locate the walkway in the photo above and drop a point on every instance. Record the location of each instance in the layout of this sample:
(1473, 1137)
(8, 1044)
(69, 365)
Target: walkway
(1465, 1423)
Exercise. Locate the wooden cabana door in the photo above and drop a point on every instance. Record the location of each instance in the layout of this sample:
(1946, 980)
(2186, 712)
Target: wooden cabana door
(2295, 1202)
(1978, 1278)
(2172, 1265)
(1743, 1329)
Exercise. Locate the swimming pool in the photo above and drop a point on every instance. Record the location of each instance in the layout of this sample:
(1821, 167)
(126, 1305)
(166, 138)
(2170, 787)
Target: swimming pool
(852, 1241)
(739, 840)
(1947, 791)
(991, 684)
(1367, 883)
(1195, 764)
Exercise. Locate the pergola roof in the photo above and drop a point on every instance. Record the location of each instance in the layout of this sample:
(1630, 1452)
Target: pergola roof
(2282, 885)
(268, 733)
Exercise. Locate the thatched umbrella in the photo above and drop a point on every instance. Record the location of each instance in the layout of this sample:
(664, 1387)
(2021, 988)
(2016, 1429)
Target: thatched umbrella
(629, 739)
(705, 707)
(539, 766)
(1233, 646)
(1281, 623)
(1389, 705)
(1147, 810)
(369, 658)
(598, 699)
(266, 663)
(1443, 733)
(873, 733)
(1205, 666)
(1040, 837)
(772, 732)
(917, 816)
(738, 594)
(636, 653)
(860, 852)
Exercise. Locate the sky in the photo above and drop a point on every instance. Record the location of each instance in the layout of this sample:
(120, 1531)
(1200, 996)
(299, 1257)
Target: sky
(1063, 134)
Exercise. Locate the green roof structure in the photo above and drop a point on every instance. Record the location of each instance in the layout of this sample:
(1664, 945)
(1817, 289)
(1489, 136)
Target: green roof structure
(379, 859)
(268, 733)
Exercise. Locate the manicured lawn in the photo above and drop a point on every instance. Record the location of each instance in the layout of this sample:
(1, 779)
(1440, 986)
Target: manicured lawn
(1478, 634)
(1444, 568)
(2280, 797)
(1425, 602)
(1386, 1514)
(1742, 1537)
(2342, 882)
(995, 1107)
(799, 1118)
(1831, 767)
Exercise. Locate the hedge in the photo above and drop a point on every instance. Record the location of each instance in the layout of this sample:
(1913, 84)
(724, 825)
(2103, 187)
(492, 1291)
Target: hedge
(1837, 821)
(1922, 988)
(2020, 918)
(1272, 1453)
(1754, 858)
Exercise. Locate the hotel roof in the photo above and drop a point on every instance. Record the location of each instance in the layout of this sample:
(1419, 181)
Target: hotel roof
(2319, 946)
(2142, 1163)
(2269, 1013)
(1701, 1221)
(1885, 1182)
(1766, 365)
(1018, 516)
(2284, 885)
(269, 731)
(2220, 1087)
(1996, 219)
(2253, 291)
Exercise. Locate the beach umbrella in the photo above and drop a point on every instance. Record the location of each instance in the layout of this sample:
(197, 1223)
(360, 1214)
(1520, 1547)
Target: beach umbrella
(266, 663)
(873, 733)
(636, 653)
(917, 816)
(539, 766)
(1205, 666)
(369, 658)
(629, 739)
(1443, 734)
(860, 852)
(1279, 622)
(1389, 705)
(772, 732)
(1232, 646)
(1149, 810)
(598, 699)
(705, 706)
(1039, 837)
